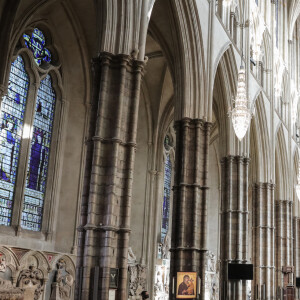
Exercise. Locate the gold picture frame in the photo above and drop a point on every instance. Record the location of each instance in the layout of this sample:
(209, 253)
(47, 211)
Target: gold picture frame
(186, 287)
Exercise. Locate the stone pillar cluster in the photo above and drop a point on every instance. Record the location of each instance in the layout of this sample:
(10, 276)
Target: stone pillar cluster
(105, 216)
(234, 222)
(189, 221)
(296, 225)
(284, 240)
(263, 240)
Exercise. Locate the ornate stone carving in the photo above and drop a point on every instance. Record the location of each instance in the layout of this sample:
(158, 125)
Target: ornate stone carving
(211, 277)
(137, 280)
(2, 263)
(32, 281)
(137, 276)
(8, 292)
(63, 282)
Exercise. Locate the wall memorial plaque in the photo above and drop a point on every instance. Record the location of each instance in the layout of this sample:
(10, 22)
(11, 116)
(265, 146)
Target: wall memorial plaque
(114, 277)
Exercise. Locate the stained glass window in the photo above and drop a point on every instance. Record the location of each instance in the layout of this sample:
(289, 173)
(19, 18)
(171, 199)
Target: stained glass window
(39, 157)
(277, 20)
(36, 43)
(167, 192)
(11, 120)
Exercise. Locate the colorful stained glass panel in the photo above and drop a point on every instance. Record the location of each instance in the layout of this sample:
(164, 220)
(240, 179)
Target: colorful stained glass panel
(11, 122)
(167, 196)
(36, 43)
(39, 157)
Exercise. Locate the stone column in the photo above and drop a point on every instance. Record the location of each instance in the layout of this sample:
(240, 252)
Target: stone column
(284, 238)
(189, 219)
(105, 215)
(234, 222)
(297, 246)
(263, 241)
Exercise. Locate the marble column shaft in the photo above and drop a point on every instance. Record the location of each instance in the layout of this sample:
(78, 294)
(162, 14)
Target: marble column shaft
(105, 216)
(189, 221)
(263, 240)
(234, 222)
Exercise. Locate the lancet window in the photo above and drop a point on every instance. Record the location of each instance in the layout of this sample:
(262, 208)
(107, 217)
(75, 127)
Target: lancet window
(27, 122)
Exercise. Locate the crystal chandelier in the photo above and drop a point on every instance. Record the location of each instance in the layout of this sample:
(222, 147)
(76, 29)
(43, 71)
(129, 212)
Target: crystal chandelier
(297, 187)
(241, 114)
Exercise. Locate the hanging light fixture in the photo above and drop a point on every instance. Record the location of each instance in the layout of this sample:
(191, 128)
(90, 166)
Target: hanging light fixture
(297, 187)
(241, 113)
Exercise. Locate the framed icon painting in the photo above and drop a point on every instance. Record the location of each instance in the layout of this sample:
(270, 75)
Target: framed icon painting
(186, 287)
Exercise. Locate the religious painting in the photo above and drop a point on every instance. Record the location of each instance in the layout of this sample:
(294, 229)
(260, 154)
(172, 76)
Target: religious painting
(186, 287)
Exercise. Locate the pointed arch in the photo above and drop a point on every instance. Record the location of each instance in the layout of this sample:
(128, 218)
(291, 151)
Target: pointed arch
(266, 44)
(260, 143)
(281, 166)
(181, 40)
(224, 90)
(294, 12)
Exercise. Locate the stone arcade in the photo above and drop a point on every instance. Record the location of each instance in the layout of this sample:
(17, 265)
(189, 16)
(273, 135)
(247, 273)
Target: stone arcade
(119, 163)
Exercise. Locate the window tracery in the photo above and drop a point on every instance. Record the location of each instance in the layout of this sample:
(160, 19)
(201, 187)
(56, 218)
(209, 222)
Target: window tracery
(36, 43)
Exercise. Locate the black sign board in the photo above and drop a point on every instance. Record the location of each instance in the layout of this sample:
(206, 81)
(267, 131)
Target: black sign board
(240, 271)
(114, 278)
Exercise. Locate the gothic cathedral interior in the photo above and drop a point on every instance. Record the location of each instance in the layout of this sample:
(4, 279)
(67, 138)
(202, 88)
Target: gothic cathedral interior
(149, 149)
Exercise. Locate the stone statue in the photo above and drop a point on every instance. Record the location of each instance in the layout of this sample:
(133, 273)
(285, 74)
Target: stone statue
(211, 262)
(211, 277)
(166, 247)
(248, 290)
(63, 282)
(161, 285)
(131, 257)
